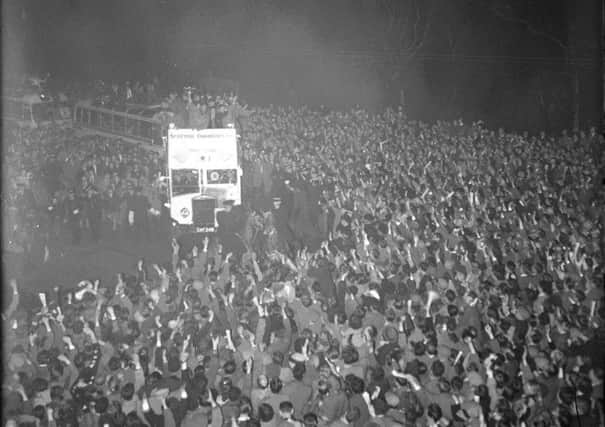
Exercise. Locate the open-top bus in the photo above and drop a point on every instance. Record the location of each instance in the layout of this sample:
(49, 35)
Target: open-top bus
(203, 165)
(204, 171)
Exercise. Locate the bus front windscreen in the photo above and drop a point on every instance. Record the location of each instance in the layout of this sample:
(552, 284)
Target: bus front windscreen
(222, 176)
(185, 181)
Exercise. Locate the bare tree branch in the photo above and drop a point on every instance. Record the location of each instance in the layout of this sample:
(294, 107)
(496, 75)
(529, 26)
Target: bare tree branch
(529, 27)
(411, 30)
(407, 24)
(419, 41)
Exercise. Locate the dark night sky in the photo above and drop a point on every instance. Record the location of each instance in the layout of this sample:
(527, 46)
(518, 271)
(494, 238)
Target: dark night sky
(473, 51)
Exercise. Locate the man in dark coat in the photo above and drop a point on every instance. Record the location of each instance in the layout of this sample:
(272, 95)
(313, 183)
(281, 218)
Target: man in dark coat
(281, 222)
(229, 229)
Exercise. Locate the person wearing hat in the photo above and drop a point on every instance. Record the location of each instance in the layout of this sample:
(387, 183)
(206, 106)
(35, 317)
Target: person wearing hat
(394, 412)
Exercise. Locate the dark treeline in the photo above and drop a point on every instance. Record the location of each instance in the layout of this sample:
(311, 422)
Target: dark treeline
(512, 63)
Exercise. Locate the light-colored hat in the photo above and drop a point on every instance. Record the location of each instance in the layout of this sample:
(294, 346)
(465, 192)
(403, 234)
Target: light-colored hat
(392, 399)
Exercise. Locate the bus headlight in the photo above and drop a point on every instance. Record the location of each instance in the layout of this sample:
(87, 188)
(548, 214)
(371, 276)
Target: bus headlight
(185, 212)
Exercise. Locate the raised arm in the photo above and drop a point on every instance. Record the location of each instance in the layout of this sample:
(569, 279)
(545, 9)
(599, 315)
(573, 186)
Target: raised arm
(15, 300)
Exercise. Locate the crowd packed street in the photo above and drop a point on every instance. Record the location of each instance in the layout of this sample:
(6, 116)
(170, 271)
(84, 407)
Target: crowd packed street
(387, 272)
(66, 186)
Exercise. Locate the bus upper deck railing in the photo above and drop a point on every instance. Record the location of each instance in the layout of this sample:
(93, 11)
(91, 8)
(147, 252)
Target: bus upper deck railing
(144, 129)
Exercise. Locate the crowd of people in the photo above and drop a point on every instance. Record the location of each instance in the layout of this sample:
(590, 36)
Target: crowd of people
(67, 187)
(118, 93)
(198, 110)
(394, 273)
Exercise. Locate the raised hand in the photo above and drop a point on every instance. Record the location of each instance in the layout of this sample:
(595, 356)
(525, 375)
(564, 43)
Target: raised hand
(157, 269)
(488, 331)
(215, 341)
(64, 359)
(67, 341)
(59, 315)
(376, 393)
(86, 329)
